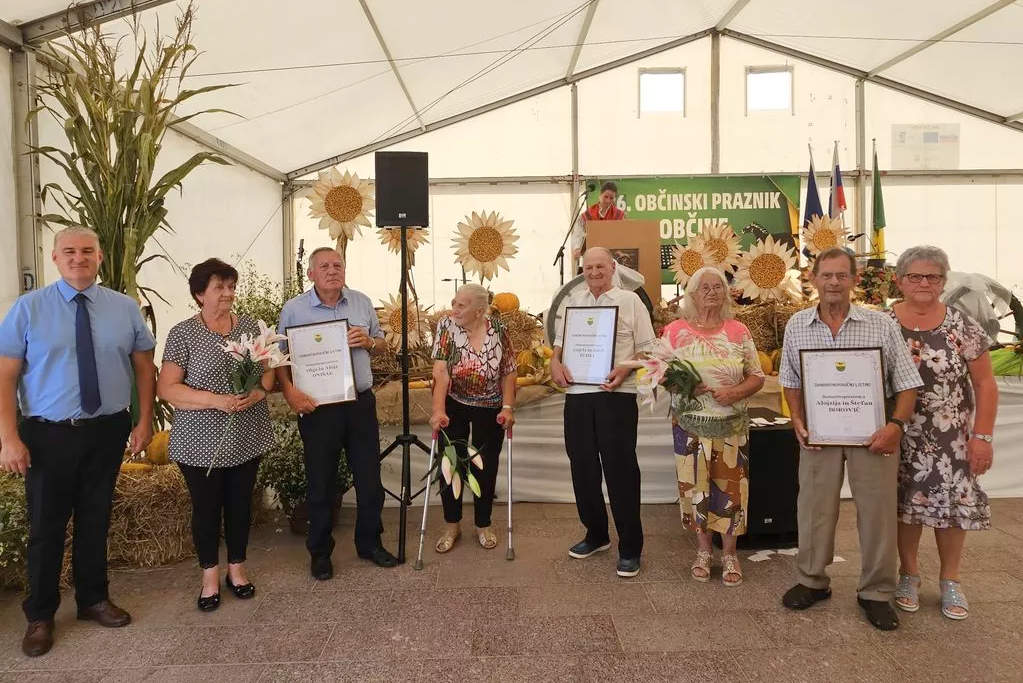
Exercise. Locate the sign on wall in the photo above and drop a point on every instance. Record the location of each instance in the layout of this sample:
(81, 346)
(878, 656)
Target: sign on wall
(684, 206)
(925, 146)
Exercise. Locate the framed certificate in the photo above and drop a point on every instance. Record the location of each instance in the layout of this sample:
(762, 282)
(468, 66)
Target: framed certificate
(843, 395)
(321, 361)
(588, 342)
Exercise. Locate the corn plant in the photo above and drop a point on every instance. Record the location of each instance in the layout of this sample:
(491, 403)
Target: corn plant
(115, 123)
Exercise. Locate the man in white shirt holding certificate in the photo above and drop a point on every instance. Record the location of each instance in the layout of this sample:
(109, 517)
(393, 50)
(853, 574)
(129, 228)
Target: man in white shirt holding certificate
(601, 419)
(836, 324)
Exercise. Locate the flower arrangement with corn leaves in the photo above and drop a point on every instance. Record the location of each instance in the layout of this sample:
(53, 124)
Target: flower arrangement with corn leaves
(115, 120)
(664, 366)
(251, 357)
(455, 469)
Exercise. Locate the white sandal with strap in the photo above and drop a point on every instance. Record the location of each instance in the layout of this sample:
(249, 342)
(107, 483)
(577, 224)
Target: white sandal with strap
(730, 566)
(702, 562)
(951, 598)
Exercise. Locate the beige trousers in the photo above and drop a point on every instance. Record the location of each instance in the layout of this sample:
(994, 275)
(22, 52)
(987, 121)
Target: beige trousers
(874, 483)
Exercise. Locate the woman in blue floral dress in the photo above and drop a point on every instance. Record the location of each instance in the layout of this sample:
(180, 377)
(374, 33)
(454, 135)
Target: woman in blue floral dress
(947, 444)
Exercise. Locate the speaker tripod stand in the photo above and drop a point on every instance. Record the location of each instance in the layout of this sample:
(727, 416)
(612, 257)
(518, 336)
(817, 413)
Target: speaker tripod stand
(405, 440)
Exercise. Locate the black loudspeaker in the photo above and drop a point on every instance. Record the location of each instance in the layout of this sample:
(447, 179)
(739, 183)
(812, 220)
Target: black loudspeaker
(773, 486)
(402, 187)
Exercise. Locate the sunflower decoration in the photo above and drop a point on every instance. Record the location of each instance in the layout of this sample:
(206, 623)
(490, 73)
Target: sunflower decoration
(824, 233)
(766, 272)
(343, 203)
(720, 247)
(416, 237)
(484, 244)
(390, 322)
(688, 258)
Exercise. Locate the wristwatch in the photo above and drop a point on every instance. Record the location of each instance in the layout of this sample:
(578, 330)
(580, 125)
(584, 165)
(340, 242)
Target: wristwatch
(984, 437)
(899, 423)
(507, 407)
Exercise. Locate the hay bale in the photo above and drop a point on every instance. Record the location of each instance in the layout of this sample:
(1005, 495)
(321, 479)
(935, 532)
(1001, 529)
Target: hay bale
(150, 522)
(524, 329)
(766, 321)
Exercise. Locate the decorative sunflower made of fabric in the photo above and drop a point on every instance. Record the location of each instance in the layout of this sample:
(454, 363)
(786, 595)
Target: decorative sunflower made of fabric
(390, 322)
(823, 233)
(720, 247)
(766, 272)
(484, 244)
(342, 202)
(391, 238)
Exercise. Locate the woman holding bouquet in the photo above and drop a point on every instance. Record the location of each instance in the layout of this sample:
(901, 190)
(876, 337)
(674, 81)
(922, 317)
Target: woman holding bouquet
(711, 427)
(215, 427)
(473, 384)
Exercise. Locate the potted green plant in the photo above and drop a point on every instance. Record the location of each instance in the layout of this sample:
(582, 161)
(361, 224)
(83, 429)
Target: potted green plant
(282, 471)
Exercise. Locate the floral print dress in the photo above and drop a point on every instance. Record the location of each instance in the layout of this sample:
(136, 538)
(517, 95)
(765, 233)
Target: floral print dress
(475, 375)
(936, 488)
(712, 466)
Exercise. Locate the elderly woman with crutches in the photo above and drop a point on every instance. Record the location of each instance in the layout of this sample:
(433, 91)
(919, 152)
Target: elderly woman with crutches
(473, 386)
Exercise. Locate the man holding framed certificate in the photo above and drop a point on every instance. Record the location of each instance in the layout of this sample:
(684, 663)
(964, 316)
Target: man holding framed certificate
(331, 329)
(604, 326)
(840, 363)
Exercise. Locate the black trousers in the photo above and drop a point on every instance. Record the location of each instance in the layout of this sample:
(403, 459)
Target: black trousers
(600, 431)
(73, 471)
(487, 437)
(226, 491)
(328, 430)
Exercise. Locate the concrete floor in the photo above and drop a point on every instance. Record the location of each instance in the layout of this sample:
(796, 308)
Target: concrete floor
(472, 615)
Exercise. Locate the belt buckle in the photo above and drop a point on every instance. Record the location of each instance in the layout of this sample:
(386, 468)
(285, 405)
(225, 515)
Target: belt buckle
(76, 421)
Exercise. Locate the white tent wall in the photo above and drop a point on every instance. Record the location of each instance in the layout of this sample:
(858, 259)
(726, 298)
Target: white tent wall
(218, 213)
(540, 211)
(10, 278)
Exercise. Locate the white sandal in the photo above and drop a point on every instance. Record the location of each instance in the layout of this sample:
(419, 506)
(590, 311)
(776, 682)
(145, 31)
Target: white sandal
(702, 562)
(730, 565)
(907, 593)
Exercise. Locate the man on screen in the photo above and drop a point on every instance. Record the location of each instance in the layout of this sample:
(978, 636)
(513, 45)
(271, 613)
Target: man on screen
(834, 324)
(601, 421)
(606, 209)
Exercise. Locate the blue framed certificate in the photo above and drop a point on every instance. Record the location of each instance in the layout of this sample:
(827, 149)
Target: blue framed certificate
(843, 395)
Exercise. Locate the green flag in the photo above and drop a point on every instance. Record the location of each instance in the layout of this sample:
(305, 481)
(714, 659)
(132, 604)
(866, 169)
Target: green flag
(877, 233)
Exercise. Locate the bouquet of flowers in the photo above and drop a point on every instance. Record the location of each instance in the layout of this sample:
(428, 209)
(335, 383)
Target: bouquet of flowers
(251, 357)
(455, 469)
(665, 367)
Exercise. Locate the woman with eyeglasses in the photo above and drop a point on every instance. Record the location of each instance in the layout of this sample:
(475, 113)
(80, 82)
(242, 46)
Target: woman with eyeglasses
(947, 444)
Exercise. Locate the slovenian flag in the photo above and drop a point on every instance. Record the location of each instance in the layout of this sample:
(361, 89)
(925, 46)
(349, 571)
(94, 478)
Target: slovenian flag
(837, 202)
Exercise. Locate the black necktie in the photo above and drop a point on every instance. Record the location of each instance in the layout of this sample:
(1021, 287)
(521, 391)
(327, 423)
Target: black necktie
(88, 379)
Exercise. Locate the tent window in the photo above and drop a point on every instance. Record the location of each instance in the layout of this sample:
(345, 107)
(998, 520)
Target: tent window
(662, 91)
(769, 88)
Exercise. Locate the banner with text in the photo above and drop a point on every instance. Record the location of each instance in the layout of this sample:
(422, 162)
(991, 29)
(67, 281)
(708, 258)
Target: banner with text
(684, 206)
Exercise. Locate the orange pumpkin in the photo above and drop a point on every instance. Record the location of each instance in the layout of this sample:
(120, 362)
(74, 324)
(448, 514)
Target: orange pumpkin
(506, 302)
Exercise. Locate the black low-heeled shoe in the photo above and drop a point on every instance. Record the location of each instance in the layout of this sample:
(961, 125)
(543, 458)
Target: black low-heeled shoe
(244, 591)
(209, 602)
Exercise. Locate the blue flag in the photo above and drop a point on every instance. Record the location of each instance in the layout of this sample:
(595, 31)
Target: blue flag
(813, 199)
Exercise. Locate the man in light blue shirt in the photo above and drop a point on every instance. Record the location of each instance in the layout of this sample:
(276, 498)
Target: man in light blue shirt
(69, 352)
(329, 429)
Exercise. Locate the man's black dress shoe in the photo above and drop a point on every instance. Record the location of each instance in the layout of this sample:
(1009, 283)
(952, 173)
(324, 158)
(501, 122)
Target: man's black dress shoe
(380, 557)
(38, 638)
(208, 603)
(105, 613)
(801, 597)
(244, 591)
(880, 614)
(321, 568)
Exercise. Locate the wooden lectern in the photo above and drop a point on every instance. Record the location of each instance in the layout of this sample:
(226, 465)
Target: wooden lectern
(634, 243)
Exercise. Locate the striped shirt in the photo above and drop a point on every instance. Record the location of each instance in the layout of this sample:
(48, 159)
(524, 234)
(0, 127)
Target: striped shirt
(861, 328)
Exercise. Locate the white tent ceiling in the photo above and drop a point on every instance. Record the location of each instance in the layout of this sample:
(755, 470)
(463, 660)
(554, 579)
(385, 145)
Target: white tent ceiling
(315, 78)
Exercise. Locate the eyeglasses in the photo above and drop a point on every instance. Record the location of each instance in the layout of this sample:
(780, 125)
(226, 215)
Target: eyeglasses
(917, 278)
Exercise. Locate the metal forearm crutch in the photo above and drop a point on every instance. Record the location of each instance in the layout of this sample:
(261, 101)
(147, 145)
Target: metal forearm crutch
(426, 502)
(510, 555)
